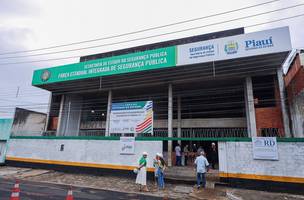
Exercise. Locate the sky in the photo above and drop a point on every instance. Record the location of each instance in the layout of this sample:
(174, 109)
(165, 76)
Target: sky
(34, 24)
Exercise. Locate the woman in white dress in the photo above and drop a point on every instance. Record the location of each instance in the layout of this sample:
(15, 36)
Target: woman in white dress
(141, 178)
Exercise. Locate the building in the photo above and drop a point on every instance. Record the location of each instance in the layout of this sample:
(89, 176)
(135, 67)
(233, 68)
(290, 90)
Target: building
(294, 83)
(223, 87)
(5, 127)
(28, 122)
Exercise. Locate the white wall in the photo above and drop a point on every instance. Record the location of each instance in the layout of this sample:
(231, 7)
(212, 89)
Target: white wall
(237, 157)
(86, 151)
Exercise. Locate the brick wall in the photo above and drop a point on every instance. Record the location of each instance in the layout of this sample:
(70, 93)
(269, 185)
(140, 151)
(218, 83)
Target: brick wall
(296, 85)
(294, 82)
(293, 70)
(294, 79)
(270, 117)
(53, 123)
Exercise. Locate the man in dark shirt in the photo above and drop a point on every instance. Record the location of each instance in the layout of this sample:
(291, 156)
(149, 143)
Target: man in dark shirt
(213, 156)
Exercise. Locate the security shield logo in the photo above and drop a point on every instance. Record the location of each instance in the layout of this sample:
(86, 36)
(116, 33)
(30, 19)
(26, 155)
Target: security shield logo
(231, 47)
(46, 74)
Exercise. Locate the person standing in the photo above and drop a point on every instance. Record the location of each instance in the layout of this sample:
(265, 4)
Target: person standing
(155, 165)
(141, 178)
(178, 156)
(186, 154)
(213, 156)
(161, 171)
(194, 148)
(202, 166)
(199, 150)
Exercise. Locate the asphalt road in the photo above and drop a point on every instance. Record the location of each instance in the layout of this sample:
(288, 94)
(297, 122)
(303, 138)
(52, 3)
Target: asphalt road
(38, 191)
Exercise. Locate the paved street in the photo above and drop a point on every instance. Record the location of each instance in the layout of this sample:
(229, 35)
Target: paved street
(37, 191)
(51, 185)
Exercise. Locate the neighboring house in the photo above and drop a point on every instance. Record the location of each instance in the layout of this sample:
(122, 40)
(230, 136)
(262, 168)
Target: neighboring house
(28, 122)
(294, 83)
(5, 128)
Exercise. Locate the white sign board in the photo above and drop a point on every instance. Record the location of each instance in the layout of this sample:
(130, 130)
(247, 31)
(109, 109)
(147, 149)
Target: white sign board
(132, 117)
(251, 44)
(265, 148)
(127, 145)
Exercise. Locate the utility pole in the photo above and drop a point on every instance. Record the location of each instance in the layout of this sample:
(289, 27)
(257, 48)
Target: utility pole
(17, 93)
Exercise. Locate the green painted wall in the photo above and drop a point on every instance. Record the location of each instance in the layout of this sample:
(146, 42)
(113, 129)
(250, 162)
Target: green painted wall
(5, 128)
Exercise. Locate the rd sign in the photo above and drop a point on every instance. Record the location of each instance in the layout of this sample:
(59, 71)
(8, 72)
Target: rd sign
(265, 148)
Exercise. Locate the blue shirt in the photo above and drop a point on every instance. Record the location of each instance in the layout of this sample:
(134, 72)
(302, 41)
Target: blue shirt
(201, 164)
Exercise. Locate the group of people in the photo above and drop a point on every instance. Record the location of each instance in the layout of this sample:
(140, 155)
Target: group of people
(159, 165)
(201, 164)
(192, 152)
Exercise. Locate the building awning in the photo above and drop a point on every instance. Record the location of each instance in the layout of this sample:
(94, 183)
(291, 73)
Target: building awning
(258, 53)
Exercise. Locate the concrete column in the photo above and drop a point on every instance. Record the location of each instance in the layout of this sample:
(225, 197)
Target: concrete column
(170, 120)
(59, 124)
(48, 113)
(283, 103)
(179, 119)
(108, 113)
(70, 115)
(250, 111)
(68, 119)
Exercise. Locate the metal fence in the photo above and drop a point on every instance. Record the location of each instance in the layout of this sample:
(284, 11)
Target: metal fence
(101, 132)
(201, 132)
(163, 132)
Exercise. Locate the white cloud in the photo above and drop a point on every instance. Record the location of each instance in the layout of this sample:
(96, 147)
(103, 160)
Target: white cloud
(37, 24)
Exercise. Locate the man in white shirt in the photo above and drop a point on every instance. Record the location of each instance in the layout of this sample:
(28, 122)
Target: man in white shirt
(202, 166)
(178, 155)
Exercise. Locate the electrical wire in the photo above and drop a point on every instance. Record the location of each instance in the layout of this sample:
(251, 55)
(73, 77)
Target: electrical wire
(143, 30)
(168, 33)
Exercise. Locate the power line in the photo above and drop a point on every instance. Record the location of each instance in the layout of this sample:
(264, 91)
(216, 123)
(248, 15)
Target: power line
(70, 57)
(143, 30)
(153, 36)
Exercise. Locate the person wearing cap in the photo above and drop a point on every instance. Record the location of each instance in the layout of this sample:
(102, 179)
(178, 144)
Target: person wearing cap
(202, 166)
(155, 165)
(213, 155)
(161, 166)
(141, 178)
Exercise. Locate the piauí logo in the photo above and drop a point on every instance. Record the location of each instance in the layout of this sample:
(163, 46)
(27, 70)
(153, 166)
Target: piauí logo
(231, 47)
(46, 74)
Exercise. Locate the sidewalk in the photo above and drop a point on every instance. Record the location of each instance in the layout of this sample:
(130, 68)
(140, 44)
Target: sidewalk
(123, 184)
(188, 174)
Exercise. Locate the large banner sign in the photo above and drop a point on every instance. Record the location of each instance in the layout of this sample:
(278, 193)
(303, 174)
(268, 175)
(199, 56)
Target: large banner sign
(132, 117)
(265, 148)
(238, 46)
(146, 60)
(251, 44)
